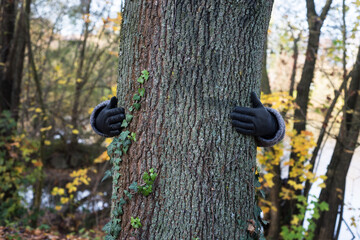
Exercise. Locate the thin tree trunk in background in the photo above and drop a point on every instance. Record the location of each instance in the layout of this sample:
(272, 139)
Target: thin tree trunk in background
(315, 23)
(333, 103)
(293, 72)
(265, 84)
(337, 170)
(38, 186)
(204, 58)
(80, 81)
(7, 27)
(12, 72)
(275, 210)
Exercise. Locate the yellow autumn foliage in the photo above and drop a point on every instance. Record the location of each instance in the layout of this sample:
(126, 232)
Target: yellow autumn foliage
(301, 144)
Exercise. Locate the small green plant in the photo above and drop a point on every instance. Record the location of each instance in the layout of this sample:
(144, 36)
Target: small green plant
(149, 179)
(147, 188)
(135, 222)
(20, 167)
(296, 231)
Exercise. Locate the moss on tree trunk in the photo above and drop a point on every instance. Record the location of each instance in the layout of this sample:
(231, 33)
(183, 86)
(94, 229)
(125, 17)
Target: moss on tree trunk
(204, 58)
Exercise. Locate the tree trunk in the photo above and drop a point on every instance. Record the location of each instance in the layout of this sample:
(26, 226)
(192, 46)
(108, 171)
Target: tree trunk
(337, 170)
(204, 58)
(315, 23)
(12, 74)
(275, 210)
(265, 83)
(293, 71)
(303, 87)
(7, 28)
(80, 81)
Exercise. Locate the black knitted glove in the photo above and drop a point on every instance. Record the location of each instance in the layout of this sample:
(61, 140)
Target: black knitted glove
(255, 121)
(110, 118)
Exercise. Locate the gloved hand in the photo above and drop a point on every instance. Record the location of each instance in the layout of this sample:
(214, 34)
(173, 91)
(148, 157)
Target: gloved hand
(110, 118)
(255, 121)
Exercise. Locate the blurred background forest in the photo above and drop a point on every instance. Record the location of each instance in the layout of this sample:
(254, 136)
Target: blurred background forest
(59, 60)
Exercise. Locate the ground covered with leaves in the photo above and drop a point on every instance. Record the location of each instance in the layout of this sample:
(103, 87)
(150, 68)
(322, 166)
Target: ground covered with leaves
(7, 233)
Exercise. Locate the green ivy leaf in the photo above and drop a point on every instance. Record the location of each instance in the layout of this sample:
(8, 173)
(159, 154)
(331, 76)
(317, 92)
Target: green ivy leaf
(115, 181)
(120, 210)
(132, 136)
(124, 135)
(125, 149)
(128, 194)
(107, 227)
(128, 117)
(117, 229)
(122, 201)
(117, 175)
(140, 80)
(111, 147)
(118, 152)
(127, 142)
(145, 74)
(137, 106)
(146, 177)
(134, 186)
(107, 174)
(262, 192)
(135, 222)
(116, 168)
(124, 124)
(141, 92)
(136, 97)
(116, 213)
(117, 161)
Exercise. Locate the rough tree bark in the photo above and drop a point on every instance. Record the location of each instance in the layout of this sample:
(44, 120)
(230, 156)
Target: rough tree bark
(204, 58)
(337, 170)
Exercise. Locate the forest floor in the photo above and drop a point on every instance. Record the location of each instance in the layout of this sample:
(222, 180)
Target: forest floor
(7, 233)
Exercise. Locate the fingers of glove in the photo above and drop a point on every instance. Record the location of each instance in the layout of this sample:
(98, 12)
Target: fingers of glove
(244, 110)
(245, 131)
(255, 100)
(113, 103)
(118, 118)
(241, 117)
(114, 111)
(114, 133)
(116, 126)
(243, 125)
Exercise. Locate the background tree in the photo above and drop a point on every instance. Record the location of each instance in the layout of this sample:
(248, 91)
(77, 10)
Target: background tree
(339, 165)
(204, 58)
(15, 17)
(315, 23)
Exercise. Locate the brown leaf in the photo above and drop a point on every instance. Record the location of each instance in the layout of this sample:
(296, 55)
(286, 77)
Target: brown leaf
(251, 226)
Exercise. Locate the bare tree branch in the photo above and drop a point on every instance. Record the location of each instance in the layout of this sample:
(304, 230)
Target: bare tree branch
(325, 10)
